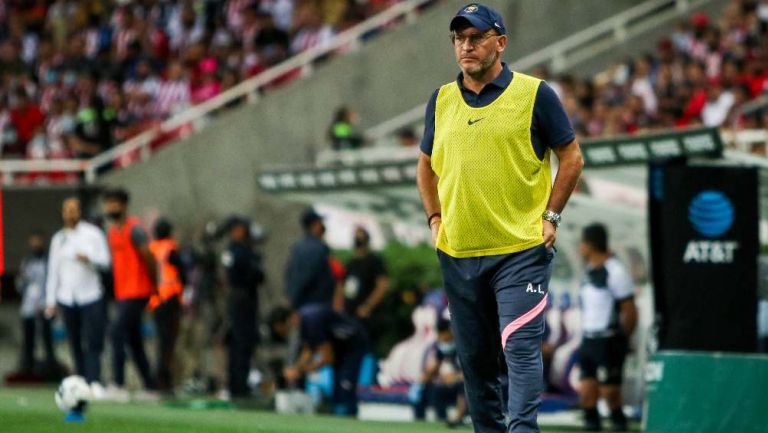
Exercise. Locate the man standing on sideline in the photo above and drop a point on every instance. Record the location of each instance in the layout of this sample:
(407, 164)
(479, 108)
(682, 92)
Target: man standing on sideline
(31, 284)
(135, 280)
(365, 285)
(308, 276)
(77, 256)
(485, 183)
(166, 304)
(609, 317)
(244, 275)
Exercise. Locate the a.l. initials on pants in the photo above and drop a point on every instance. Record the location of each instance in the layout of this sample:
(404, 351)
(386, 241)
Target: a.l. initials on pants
(534, 288)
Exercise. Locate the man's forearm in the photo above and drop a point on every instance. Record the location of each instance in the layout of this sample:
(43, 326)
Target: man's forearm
(426, 180)
(382, 286)
(569, 171)
(628, 316)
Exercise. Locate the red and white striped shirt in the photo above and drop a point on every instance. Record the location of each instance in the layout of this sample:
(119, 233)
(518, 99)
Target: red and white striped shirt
(122, 39)
(171, 96)
(308, 38)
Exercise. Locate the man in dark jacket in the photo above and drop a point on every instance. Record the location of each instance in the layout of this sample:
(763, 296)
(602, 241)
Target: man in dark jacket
(308, 276)
(244, 274)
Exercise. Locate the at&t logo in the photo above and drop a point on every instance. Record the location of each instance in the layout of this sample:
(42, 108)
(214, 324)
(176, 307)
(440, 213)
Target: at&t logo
(711, 214)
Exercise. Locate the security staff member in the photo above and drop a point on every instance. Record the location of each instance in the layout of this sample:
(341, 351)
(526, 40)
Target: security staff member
(166, 304)
(135, 280)
(244, 274)
(609, 317)
(485, 182)
(326, 337)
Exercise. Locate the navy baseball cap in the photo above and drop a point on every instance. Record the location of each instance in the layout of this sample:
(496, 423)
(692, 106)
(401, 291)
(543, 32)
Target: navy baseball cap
(480, 17)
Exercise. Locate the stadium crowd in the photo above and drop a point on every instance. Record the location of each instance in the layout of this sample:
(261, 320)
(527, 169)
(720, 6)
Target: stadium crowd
(702, 74)
(77, 77)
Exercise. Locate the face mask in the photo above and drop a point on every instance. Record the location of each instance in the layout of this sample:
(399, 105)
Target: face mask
(38, 252)
(446, 348)
(361, 242)
(114, 215)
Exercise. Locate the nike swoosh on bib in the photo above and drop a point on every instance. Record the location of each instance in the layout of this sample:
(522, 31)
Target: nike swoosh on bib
(471, 122)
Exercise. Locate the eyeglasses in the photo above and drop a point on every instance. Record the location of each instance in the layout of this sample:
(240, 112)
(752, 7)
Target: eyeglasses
(474, 39)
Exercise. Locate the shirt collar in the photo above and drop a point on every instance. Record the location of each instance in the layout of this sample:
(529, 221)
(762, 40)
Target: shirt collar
(501, 81)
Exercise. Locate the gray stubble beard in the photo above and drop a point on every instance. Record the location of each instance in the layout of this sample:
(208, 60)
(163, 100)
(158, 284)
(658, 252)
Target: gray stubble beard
(485, 66)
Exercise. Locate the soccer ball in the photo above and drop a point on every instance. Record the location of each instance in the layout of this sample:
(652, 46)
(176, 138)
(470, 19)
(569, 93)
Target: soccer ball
(73, 394)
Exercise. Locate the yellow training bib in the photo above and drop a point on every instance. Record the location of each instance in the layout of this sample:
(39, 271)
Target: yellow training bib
(492, 186)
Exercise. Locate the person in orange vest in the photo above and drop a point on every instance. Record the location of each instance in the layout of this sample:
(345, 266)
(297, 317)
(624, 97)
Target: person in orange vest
(166, 304)
(135, 280)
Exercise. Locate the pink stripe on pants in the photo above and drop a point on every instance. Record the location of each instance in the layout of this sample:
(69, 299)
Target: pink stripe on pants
(522, 320)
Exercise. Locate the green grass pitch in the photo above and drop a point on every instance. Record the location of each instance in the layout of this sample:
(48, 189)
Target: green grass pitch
(32, 410)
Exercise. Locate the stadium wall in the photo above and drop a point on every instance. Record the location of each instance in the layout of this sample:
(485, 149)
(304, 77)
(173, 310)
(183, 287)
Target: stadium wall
(213, 173)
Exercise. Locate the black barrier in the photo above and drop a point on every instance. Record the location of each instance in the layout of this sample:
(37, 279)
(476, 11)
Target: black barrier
(704, 247)
(701, 142)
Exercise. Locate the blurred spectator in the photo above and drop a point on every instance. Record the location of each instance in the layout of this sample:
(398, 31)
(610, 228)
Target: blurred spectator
(92, 130)
(78, 255)
(31, 284)
(442, 384)
(27, 120)
(173, 92)
(718, 105)
(308, 276)
(342, 131)
(365, 286)
(207, 84)
(310, 30)
(166, 303)
(244, 274)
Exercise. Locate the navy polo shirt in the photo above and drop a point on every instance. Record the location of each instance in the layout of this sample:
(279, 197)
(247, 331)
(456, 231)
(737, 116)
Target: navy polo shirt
(550, 127)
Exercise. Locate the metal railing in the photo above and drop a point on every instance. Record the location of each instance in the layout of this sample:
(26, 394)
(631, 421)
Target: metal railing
(745, 140)
(10, 168)
(347, 40)
(614, 30)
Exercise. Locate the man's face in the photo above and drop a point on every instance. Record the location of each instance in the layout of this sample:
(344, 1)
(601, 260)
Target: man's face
(70, 211)
(318, 228)
(585, 250)
(114, 208)
(36, 243)
(238, 232)
(476, 51)
(361, 238)
(445, 336)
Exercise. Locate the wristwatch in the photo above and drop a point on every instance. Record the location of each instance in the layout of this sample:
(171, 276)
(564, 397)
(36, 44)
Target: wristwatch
(552, 217)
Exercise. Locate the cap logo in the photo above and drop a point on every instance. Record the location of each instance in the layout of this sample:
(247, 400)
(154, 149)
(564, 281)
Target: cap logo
(470, 9)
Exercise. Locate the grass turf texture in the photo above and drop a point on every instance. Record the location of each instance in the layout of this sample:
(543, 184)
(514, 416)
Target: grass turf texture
(32, 410)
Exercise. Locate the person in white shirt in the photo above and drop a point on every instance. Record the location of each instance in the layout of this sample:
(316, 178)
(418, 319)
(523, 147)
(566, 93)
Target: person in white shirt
(78, 253)
(609, 317)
